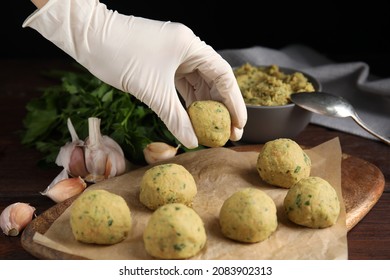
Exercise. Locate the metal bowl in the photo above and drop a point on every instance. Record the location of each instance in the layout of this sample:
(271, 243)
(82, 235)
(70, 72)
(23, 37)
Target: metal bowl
(267, 123)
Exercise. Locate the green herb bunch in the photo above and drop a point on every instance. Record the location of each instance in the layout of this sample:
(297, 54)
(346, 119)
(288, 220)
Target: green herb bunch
(80, 95)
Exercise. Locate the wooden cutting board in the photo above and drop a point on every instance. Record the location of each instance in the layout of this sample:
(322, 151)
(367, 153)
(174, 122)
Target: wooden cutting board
(362, 185)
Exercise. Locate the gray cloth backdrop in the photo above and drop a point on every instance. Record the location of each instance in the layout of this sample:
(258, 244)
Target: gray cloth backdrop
(369, 95)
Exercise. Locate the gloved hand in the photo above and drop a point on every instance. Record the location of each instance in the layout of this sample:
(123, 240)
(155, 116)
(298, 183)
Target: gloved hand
(147, 58)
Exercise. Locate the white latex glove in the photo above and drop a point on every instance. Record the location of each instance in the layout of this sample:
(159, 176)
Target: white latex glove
(147, 58)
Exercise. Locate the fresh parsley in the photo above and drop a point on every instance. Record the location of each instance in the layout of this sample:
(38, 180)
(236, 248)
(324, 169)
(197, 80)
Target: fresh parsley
(80, 95)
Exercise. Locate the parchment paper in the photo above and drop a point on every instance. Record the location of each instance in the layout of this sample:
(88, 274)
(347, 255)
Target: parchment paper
(219, 172)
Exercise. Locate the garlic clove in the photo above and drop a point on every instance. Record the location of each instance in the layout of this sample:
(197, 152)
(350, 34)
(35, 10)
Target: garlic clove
(71, 155)
(157, 151)
(77, 166)
(116, 162)
(94, 178)
(63, 157)
(61, 176)
(103, 156)
(72, 131)
(95, 154)
(65, 189)
(16, 217)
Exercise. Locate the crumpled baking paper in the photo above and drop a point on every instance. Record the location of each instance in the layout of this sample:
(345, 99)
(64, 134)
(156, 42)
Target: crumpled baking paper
(219, 172)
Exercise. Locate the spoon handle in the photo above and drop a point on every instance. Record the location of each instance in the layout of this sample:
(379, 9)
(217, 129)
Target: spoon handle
(356, 118)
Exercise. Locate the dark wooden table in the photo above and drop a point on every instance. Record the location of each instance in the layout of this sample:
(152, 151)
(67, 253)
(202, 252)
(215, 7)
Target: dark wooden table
(21, 179)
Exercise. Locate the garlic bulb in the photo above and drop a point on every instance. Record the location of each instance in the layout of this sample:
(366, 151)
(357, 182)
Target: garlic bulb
(97, 158)
(71, 155)
(16, 217)
(104, 157)
(65, 188)
(157, 151)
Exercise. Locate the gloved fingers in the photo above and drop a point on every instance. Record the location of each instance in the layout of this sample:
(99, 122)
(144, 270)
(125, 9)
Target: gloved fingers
(170, 110)
(226, 88)
(178, 122)
(193, 87)
(223, 85)
(236, 133)
(188, 91)
(217, 73)
(213, 78)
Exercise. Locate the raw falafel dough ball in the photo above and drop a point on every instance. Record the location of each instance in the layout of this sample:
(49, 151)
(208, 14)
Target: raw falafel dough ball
(211, 122)
(100, 217)
(174, 231)
(167, 183)
(312, 202)
(248, 215)
(282, 162)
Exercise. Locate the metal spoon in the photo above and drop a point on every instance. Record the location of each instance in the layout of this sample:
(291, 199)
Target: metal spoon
(331, 105)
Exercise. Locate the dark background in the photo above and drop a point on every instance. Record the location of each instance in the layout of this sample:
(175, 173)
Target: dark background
(356, 33)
